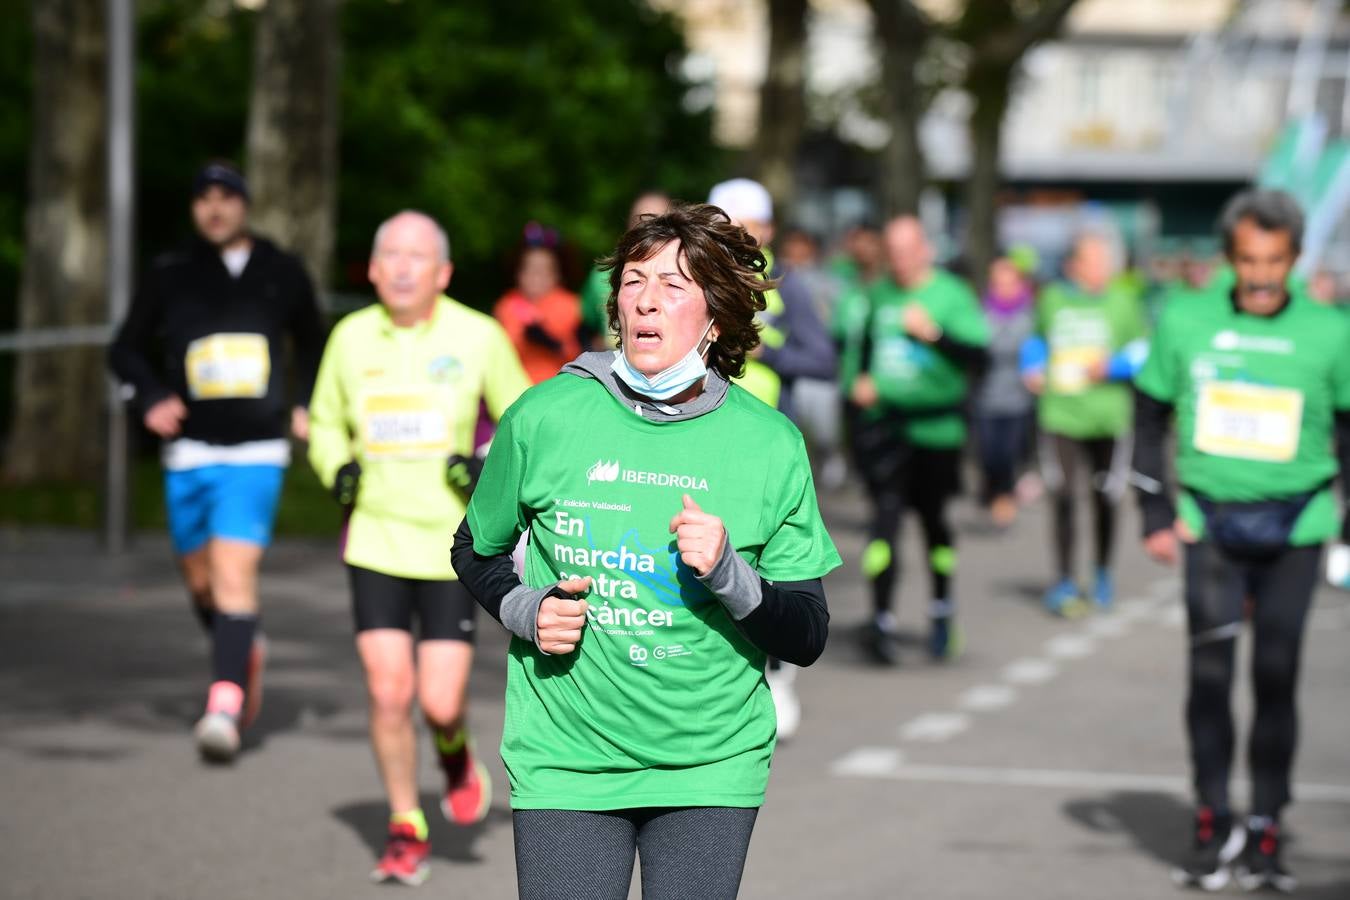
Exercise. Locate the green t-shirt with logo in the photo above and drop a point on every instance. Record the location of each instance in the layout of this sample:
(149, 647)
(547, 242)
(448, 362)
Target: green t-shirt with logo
(594, 301)
(1081, 331)
(664, 701)
(850, 314)
(912, 377)
(1255, 400)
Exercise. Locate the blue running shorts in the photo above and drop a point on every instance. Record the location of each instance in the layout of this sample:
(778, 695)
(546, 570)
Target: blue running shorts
(222, 501)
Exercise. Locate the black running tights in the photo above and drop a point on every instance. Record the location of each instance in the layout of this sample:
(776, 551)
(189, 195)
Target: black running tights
(1219, 588)
(929, 502)
(563, 854)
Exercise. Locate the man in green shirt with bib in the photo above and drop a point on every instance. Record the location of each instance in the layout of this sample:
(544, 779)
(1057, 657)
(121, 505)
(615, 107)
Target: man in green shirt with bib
(908, 370)
(1257, 378)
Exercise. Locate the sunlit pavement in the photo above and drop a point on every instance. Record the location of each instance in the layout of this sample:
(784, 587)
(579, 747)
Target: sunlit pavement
(1047, 762)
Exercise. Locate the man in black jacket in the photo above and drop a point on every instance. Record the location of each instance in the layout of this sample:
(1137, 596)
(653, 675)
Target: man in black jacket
(202, 354)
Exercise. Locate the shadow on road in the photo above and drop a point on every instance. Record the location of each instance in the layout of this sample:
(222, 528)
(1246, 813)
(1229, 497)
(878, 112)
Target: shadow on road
(1159, 826)
(146, 668)
(370, 821)
(1024, 589)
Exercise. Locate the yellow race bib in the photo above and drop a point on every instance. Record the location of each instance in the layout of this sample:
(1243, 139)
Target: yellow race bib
(405, 423)
(228, 366)
(1071, 368)
(1248, 421)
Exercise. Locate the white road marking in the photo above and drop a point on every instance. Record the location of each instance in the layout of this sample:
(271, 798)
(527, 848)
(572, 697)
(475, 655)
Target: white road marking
(1108, 627)
(934, 727)
(1137, 610)
(985, 697)
(868, 762)
(1166, 588)
(1070, 646)
(1074, 780)
(1173, 617)
(1030, 671)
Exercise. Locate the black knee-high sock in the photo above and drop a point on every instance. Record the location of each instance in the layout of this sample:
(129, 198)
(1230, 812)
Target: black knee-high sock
(205, 614)
(231, 642)
(938, 537)
(452, 747)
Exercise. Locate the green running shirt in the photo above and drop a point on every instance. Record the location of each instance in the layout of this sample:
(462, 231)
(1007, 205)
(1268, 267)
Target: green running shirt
(595, 303)
(1081, 330)
(1255, 400)
(911, 376)
(664, 702)
(400, 401)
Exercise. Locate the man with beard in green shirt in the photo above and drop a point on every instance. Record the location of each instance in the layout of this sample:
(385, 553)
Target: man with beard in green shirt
(908, 370)
(1257, 378)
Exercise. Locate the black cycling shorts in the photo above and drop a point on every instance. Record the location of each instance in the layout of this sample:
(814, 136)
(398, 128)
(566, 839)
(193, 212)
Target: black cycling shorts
(444, 609)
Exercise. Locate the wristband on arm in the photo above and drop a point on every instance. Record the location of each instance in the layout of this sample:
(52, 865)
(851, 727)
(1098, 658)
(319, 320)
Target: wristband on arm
(346, 484)
(462, 473)
(1033, 356)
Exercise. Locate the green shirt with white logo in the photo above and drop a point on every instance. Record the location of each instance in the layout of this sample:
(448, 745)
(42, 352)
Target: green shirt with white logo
(1082, 331)
(664, 702)
(595, 301)
(1255, 399)
(914, 378)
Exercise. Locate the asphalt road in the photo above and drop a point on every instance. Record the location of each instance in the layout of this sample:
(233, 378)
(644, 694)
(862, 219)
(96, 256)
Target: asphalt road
(1048, 762)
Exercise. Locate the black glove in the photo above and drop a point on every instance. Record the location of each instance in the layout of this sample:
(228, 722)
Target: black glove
(346, 483)
(535, 334)
(461, 473)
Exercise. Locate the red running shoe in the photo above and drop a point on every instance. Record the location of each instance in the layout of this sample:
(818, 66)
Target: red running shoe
(253, 694)
(405, 857)
(468, 793)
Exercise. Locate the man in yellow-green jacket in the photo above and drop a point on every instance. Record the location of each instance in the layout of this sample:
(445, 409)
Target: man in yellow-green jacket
(391, 434)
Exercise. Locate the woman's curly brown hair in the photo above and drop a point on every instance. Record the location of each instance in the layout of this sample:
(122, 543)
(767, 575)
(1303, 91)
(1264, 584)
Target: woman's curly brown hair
(718, 256)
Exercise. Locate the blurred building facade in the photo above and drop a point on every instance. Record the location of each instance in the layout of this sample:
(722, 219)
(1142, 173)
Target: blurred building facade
(1156, 108)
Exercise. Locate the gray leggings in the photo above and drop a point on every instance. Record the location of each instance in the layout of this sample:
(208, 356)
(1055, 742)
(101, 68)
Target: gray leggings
(698, 851)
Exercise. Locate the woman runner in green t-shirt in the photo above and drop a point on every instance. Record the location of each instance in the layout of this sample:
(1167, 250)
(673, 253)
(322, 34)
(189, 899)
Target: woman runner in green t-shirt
(674, 541)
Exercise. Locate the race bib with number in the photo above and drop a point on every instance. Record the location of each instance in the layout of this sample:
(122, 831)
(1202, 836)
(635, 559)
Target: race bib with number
(1071, 368)
(1248, 421)
(228, 366)
(405, 423)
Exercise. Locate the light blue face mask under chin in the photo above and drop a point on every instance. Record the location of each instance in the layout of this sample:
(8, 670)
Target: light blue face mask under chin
(669, 381)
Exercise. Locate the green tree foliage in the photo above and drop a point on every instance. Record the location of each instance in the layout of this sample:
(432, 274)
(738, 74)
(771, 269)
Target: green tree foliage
(16, 100)
(16, 64)
(194, 62)
(487, 115)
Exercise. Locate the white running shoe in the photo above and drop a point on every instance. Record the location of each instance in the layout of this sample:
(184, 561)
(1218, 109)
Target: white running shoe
(217, 737)
(785, 702)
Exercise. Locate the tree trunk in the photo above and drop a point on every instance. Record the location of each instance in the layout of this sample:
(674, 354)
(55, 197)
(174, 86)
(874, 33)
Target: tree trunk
(990, 89)
(58, 394)
(782, 104)
(998, 39)
(293, 129)
(903, 33)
